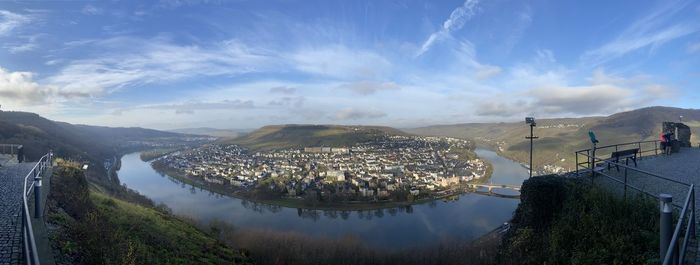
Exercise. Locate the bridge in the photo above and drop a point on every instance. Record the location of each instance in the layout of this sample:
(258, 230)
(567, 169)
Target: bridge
(18, 180)
(490, 189)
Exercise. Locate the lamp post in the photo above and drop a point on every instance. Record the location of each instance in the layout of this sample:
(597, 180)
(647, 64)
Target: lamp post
(531, 121)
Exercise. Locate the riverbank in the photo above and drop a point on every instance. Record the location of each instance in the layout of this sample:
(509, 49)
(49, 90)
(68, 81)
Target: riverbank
(300, 203)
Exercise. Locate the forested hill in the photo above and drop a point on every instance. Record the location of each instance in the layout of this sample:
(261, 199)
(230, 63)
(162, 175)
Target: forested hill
(96, 143)
(559, 138)
(298, 136)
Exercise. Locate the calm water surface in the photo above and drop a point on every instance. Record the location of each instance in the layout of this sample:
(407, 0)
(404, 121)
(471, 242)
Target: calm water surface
(467, 218)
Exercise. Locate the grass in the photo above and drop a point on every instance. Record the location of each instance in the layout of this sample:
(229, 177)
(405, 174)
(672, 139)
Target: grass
(95, 228)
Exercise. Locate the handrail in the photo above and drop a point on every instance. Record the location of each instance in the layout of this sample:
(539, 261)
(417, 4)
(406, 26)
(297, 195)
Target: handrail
(587, 152)
(670, 252)
(630, 143)
(31, 255)
(687, 209)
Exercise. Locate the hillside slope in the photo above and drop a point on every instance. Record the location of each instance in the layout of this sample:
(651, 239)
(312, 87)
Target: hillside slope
(559, 138)
(92, 227)
(298, 136)
(95, 143)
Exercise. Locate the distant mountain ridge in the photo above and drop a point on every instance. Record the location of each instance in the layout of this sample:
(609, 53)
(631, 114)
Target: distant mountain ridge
(223, 133)
(560, 138)
(300, 135)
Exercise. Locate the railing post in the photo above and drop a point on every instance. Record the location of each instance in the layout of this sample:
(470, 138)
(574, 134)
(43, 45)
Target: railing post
(20, 154)
(692, 210)
(666, 223)
(576, 155)
(37, 197)
(593, 162)
(656, 148)
(625, 194)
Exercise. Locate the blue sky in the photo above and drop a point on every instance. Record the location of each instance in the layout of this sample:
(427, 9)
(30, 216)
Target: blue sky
(245, 64)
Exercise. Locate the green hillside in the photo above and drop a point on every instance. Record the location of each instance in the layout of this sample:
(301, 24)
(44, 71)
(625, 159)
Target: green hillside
(299, 136)
(559, 138)
(91, 227)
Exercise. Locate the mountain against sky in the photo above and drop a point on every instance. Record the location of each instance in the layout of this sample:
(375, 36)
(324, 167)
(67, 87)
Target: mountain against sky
(560, 138)
(298, 136)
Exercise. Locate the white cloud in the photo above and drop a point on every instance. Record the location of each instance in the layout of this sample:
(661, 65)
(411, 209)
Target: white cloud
(20, 87)
(10, 21)
(604, 95)
(356, 114)
(369, 87)
(340, 62)
(652, 31)
(456, 21)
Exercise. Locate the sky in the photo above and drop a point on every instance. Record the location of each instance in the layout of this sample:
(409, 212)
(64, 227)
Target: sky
(246, 64)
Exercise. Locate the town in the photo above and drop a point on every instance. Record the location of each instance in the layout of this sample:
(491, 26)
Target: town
(394, 168)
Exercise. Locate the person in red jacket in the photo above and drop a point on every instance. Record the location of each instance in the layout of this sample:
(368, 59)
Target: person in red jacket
(665, 138)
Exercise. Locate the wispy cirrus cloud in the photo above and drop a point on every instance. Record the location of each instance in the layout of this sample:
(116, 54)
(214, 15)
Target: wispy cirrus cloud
(134, 61)
(337, 61)
(456, 21)
(10, 21)
(92, 10)
(651, 31)
(190, 107)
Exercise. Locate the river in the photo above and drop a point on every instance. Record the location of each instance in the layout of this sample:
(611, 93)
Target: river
(468, 218)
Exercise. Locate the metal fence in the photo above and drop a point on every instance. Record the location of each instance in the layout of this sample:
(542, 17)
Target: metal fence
(32, 181)
(674, 241)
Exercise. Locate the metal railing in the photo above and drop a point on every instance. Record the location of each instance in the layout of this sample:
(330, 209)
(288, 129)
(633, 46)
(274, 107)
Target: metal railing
(13, 149)
(31, 255)
(676, 250)
(645, 148)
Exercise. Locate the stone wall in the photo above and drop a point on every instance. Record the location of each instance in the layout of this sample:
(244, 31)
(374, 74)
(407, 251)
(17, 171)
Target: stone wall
(682, 134)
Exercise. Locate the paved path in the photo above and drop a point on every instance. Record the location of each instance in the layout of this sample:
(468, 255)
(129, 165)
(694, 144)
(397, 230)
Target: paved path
(683, 166)
(11, 183)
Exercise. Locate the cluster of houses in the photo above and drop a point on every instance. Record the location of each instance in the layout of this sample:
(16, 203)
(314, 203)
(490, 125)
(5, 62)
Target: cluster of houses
(372, 170)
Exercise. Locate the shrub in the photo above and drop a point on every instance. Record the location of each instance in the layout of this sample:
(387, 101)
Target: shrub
(569, 221)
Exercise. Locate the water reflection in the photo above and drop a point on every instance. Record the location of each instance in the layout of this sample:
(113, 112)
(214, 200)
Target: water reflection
(467, 217)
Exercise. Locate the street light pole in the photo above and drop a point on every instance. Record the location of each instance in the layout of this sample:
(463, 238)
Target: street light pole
(531, 121)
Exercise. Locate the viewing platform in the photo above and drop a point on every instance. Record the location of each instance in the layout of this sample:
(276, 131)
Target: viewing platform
(643, 169)
(17, 242)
